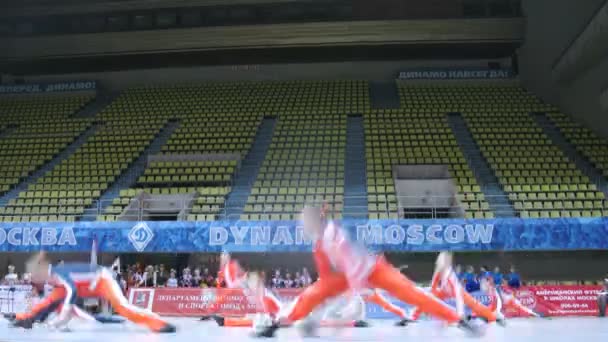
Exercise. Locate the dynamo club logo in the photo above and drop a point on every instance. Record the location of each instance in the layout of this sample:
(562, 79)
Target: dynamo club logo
(140, 236)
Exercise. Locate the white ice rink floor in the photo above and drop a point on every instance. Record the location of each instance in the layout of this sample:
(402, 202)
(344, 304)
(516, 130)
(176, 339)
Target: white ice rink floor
(191, 330)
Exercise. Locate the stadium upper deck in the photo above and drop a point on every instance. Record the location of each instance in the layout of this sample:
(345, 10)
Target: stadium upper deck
(306, 158)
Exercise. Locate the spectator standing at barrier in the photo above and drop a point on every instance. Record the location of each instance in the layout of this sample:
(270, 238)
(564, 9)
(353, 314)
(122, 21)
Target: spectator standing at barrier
(297, 280)
(197, 278)
(130, 278)
(208, 278)
(288, 283)
(186, 280)
(277, 280)
(172, 281)
(148, 278)
(471, 281)
(161, 276)
(306, 278)
(513, 279)
(11, 278)
(498, 277)
(137, 278)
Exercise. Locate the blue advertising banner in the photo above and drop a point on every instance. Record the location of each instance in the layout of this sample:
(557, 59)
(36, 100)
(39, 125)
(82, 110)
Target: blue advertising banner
(57, 87)
(455, 74)
(374, 311)
(288, 236)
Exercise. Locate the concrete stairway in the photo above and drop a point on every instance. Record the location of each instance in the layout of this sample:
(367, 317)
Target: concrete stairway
(495, 195)
(129, 177)
(96, 105)
(355, 180)
(384, 95)
(248, 172)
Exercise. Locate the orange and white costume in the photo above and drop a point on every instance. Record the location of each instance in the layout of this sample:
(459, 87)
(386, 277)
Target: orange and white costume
(235, 277)
(445, 285)
(505, 298)
(347, 267)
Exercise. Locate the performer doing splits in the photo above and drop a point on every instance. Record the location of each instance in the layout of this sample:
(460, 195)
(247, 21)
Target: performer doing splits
(325, 269)
(251, 285)
(355, 269)
(69, 280)
(248, 283)
(505, 298)
(445, 285)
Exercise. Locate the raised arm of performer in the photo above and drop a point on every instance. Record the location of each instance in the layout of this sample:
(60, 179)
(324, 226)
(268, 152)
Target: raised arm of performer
(231, 274)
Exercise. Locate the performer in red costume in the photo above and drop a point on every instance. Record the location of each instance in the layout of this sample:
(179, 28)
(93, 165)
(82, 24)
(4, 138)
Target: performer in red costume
(73, 280)
(324, 269)
(235, 277)
(252, 286)
(445, 285)
(504, 297)
(355, 268)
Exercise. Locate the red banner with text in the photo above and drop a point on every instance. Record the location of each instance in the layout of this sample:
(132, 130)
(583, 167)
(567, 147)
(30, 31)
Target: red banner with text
(559, 300)
(198, 302)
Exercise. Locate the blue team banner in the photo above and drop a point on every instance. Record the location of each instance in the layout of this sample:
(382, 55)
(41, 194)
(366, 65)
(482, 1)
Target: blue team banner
(455, 74)
(374, 311)
(511, 234)
(57, 87)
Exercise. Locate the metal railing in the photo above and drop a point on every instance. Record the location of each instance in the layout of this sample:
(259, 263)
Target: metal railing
(287, 207)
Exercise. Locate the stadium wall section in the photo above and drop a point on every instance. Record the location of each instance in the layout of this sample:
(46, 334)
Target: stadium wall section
(548, 34)
(357, 70)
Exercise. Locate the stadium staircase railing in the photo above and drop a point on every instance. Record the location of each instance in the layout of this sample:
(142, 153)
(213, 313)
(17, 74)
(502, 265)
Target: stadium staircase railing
(129, 177)
(433, 209)
(495, 196)
(355, 182)
(250, 166)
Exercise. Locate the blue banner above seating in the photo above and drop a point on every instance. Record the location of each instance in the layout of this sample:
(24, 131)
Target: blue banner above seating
(287, 236)
(58, 87)
(455, 74)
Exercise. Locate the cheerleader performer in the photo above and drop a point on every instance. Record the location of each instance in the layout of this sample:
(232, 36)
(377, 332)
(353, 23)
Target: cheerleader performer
(249, 283)
(71, 280)
(445, 285)
(356, 269)
(268, 306)
(505, 298)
